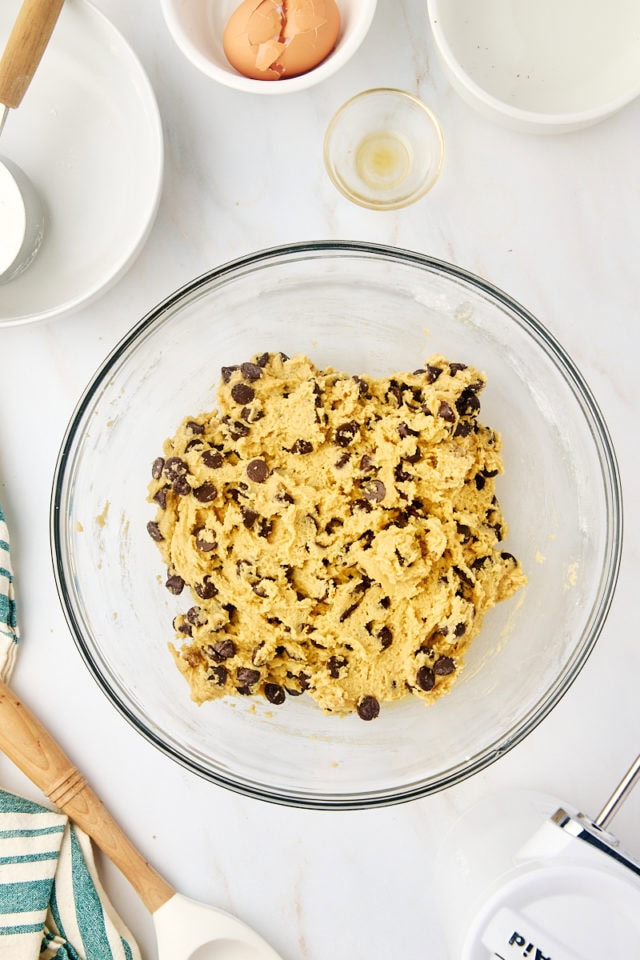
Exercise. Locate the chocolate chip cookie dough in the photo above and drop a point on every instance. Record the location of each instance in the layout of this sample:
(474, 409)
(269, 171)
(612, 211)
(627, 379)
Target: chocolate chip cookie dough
(338, 535)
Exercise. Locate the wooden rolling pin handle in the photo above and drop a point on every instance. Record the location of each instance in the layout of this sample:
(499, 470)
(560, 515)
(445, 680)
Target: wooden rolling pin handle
(26, 44)
(26, 742)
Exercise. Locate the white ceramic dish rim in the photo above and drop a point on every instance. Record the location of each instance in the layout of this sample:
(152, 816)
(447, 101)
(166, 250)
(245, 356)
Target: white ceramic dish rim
(124, 257)
(613, 492)
(518, 115)
(230, 78)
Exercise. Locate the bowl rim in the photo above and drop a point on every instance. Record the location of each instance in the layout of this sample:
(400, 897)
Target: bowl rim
(525, 119)
(387, 796)
(230, 77)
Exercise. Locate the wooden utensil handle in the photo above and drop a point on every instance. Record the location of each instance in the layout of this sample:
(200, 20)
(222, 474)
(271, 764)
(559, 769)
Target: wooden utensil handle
(25, 741)
(25, 46)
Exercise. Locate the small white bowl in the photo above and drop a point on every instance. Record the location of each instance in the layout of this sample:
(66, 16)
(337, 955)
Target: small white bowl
(197, 26)
(540, 66)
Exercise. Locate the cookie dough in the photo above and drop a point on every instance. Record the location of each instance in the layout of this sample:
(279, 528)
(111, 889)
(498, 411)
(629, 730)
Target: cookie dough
(339, 535)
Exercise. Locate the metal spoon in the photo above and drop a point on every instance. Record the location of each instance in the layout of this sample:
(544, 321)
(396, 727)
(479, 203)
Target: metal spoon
(21, 212)
(185, 929)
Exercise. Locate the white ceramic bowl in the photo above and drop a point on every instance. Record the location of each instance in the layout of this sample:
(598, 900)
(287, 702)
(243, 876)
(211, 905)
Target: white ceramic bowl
(543, 66)
(197, 26)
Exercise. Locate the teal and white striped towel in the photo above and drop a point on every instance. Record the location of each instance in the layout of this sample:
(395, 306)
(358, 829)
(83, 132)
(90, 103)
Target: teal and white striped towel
(9, 635)
(52, 904)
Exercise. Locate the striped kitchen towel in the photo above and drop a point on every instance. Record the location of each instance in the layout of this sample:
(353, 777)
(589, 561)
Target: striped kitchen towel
(9, 635)
(52, 904)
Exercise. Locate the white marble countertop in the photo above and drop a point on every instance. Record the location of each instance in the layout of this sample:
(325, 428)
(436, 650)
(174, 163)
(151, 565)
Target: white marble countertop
(554, 222)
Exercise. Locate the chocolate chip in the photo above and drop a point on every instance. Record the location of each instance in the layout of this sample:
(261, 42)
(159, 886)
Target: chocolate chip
(236, 429)
(364, 583)
(467, 403)
(508, 556)
(404, 430)
(204, 545)
(368, 708)
(347, 613)
(222, 649)
(242, 393)
(154, 531)
(212, 459)
(464, 577)
(265, 527)
(395, 391)
(443, 666)
(445, 412)
(219, 674)
(227, 371)
(206, 493)
(257, 470)
(375, 490)
(302, 678)
(175, 584)
(263, 359)
(490, 473)
(425, 678)
(247, 676)
(342, 460)
(274, 693)
(249, 517)
(363, 388)
(250, 371)
(206, 590)
(345, 433)
(400, 474)
(335, 665)
(385, 603)
(333, 524)
(454, 367)
(366, 463)
(433, 373)
(174, 467)
(195, 444)
(302, 446)
(464, 532)
(160, 497)
(361, 505)
(412, 457)
(193, 615)
(195, 427)
(480, 481)
(367, 539)
(459, 629)
(385, 637)
(181, 486)
(463, 428)
(156, 468)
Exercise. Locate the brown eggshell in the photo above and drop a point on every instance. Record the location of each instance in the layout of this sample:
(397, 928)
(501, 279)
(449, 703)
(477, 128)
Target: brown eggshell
(275, 39)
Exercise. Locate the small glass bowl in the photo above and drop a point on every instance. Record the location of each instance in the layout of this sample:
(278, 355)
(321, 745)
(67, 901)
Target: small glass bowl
(384, 149)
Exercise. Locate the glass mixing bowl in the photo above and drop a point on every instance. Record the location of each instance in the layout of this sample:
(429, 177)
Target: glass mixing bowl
(362, 309)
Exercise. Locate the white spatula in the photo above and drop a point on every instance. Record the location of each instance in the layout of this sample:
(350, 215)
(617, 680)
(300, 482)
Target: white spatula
(185, 929)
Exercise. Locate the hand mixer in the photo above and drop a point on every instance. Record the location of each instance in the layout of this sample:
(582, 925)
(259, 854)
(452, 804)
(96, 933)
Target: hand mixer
(566, 891)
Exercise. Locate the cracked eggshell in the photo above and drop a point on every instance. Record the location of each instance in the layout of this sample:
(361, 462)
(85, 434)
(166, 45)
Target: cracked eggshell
(276, 39)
